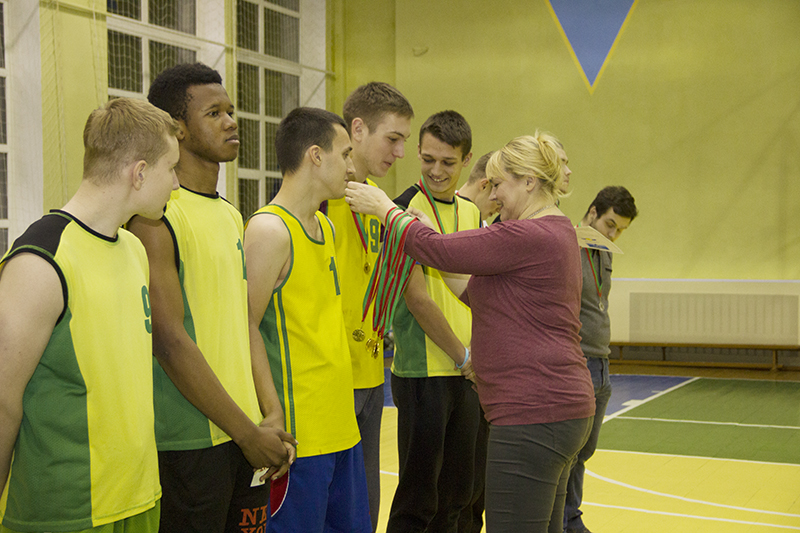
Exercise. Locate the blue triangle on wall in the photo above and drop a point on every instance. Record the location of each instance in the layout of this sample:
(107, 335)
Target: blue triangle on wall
(591, 26)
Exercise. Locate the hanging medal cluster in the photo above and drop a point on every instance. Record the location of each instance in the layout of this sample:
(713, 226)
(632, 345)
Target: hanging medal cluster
(372, 345)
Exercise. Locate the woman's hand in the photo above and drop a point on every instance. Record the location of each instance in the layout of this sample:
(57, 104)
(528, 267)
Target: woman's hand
(367, 199)
(422, 217)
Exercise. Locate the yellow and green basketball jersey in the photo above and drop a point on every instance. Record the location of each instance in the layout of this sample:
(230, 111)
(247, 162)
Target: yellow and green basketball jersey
(303, 332)
(207, 232)
(416, 355)
(357, 247)
(86, 452)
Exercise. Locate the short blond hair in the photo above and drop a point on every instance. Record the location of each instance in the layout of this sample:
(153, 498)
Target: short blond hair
(533, 156)
(122, 131)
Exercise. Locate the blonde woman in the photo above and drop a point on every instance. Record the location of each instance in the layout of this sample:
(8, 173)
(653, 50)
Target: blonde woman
(525, 295)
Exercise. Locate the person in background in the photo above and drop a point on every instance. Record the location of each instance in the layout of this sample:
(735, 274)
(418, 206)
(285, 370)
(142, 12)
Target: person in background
(478, 190)
(610, 213)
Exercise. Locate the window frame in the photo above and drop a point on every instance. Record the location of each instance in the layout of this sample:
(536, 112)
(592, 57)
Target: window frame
(259, 59)
(6, 148)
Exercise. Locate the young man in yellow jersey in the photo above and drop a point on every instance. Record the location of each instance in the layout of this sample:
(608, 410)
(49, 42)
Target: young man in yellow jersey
(378, 119)
(76, 394)
(437, 408)
(217, 415)
(296, 321)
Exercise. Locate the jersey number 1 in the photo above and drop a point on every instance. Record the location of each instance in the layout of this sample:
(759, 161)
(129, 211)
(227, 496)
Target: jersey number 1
(332, 268)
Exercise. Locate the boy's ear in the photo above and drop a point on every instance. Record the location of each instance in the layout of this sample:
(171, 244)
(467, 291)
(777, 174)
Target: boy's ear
(137, 174)
(358, 130)
(315, 155)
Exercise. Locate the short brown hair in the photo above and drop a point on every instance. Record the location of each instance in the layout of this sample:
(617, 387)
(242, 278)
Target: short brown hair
(301, 129)
(372, 101)
(451, 128)
(122, 131)
(479, 170)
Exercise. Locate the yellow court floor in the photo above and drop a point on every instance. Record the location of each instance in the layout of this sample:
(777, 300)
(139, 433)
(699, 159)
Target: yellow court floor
(643, 491)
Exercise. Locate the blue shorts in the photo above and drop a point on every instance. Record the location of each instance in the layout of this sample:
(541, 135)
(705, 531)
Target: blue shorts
(326, 493)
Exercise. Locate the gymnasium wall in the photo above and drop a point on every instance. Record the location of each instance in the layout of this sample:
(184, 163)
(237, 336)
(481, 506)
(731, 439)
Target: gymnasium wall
(696, 111)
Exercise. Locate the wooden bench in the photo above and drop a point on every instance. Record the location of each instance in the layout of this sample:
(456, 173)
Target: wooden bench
(774, 348)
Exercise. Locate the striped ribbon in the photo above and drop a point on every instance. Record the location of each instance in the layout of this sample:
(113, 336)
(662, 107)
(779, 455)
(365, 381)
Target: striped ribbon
(392, 270)
(428, 196)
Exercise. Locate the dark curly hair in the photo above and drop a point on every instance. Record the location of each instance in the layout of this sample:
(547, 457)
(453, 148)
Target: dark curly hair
(617, 198)
(169, 91)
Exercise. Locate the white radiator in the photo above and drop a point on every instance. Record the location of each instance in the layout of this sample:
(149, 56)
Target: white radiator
(713, 318)
(705, 311)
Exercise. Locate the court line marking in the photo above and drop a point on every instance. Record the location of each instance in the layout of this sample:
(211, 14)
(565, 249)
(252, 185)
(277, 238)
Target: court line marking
(395, 474)
(637, 403)
(681, 515)
(689, 500)
(752, 461)
(737, 424)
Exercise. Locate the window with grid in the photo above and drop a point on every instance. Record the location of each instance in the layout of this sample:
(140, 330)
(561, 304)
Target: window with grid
(3, 136)
(146, 37)
(268, 87)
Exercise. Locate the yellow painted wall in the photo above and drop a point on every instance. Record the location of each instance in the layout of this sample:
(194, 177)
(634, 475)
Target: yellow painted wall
(361, 49)
(74, 83)
(697, 112)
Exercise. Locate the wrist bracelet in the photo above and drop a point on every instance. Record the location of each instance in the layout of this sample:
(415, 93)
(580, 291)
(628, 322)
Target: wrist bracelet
(466, 358)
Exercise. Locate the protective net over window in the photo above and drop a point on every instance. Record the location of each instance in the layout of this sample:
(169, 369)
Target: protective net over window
(268, 87)
(3, 185)
(2, 38)
(164, 55)
(125, 62)
(177, 15)
(126, 8)
(134, 60)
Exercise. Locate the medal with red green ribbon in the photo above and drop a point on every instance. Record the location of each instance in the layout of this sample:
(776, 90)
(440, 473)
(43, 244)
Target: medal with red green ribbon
(432, 202)
(598, 281)
(362, 232)
(392, 270)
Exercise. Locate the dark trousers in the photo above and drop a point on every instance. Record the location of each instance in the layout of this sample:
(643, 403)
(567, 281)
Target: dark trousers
(437, 424)
(526, 475)
(471, 518)
(602, 394)
(208, 491)
(369, 410)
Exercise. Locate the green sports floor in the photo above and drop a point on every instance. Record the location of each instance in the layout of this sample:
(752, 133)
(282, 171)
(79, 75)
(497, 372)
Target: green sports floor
(684, 454)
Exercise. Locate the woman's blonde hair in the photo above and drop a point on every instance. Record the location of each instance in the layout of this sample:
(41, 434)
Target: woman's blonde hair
(535, 156)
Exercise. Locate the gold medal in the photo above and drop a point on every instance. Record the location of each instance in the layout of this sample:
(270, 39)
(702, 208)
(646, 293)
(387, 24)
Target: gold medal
(370, 344)
(358, 335)
(375, 349)
(366, 268)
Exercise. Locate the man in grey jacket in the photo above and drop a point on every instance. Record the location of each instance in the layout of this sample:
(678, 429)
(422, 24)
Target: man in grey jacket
(611, 212)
